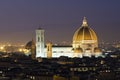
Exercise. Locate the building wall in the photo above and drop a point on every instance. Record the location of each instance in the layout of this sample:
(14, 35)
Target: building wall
(67, 51)
(60, 51)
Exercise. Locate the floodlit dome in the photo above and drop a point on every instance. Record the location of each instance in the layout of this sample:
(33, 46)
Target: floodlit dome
(86, 39)
(84, 35)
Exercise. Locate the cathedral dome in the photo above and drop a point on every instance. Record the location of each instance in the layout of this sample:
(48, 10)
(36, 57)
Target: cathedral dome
(29, 45)
(84, 34)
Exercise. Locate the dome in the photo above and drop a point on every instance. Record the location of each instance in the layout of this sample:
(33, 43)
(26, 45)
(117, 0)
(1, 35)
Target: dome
(29, 44)
(84, 33)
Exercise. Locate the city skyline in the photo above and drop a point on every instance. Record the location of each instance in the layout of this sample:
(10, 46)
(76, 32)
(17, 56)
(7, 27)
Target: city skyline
(59, 19)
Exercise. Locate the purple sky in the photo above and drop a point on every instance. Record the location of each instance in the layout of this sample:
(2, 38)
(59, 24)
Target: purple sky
(60, 18)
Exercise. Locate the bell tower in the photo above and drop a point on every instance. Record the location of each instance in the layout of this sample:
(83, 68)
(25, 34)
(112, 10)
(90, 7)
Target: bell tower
(40, 43)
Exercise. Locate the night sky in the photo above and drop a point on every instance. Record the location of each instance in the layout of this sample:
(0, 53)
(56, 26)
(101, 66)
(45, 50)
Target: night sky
(60, 18)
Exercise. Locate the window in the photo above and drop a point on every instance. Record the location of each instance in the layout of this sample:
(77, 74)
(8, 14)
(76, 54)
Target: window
(38, 39)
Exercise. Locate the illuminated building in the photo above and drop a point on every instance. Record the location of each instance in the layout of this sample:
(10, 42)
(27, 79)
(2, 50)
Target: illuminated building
(30, 49)
(40, 43)
(85, 43)
(49, 50)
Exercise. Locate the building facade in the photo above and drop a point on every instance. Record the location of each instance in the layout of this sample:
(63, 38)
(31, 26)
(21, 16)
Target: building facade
(85, 43)
(40, 44)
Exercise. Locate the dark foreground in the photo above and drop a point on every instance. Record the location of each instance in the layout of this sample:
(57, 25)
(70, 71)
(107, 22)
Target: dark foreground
(20, 67)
